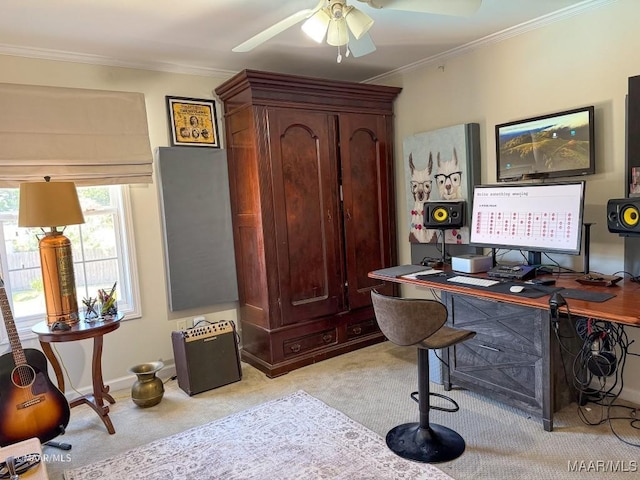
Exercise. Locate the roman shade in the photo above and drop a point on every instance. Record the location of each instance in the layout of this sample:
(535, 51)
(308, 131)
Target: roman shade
(90, 137)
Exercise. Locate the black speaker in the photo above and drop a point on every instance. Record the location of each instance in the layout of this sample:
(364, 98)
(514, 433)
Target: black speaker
(623, 215)
(206, 357)
(446, 214)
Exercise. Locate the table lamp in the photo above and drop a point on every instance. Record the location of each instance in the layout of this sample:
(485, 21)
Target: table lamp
(54, 204)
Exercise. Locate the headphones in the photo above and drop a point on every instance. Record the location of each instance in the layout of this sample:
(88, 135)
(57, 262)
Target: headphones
(598, 352)
(601, 359)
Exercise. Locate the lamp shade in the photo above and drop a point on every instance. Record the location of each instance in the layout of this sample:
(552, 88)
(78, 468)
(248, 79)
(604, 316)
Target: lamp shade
(49, 204)
(337, 35)
(359, 22)
(317, 24)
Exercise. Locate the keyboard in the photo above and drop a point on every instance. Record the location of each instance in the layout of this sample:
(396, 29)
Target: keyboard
(472, 281)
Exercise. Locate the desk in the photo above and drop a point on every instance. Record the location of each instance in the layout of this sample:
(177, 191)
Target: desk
(530, 317)
(624, 308)
(80, 331)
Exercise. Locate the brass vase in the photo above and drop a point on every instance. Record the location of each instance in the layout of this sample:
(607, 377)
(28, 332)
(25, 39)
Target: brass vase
(148, 389)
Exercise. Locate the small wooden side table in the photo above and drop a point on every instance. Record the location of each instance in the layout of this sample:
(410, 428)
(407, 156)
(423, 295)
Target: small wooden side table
(80, 331)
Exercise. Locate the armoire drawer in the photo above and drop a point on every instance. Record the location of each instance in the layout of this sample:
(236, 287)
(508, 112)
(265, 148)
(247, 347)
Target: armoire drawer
(359, 329)
(299, 345)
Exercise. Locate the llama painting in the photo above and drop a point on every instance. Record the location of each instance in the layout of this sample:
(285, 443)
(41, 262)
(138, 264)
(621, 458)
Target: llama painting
(420, 186)
(440, 165)
(449, 178)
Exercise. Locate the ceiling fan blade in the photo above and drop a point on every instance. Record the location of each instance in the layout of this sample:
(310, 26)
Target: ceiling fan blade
(276, 28)
(361, 46)
(460, 8)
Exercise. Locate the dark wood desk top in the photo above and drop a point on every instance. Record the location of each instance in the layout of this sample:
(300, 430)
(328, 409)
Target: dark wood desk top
(623, 308)
(78, 331)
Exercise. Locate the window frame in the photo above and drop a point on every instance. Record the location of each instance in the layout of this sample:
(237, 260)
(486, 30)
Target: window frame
(126, 261)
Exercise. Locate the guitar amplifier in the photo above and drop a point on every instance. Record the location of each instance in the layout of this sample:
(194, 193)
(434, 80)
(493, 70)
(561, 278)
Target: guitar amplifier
(206, 357)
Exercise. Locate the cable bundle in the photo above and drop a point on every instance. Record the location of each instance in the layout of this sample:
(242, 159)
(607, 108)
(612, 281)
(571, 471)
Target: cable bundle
(598, 371)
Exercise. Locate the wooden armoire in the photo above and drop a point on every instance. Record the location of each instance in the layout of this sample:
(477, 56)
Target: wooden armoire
(311, 182)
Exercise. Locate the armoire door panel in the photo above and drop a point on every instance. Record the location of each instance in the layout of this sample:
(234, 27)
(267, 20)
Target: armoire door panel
(365, 177)
(306, 214)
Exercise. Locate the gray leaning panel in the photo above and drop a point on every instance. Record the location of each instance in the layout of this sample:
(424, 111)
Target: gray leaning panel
(196, 218)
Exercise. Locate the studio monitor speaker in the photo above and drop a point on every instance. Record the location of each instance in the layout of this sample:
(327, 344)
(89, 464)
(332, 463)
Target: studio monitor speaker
(206, 357)
(623, 215)
(446, 214)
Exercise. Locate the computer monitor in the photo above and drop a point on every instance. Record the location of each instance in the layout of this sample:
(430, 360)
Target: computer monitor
(545, 217)
(550, 146)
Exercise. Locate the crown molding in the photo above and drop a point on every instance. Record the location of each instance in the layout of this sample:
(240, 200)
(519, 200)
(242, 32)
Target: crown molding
(498, 37)
(62, 56)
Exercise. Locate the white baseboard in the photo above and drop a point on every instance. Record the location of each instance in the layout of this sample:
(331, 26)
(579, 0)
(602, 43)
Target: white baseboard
(630, 395)
(169, 370)
(122, 383)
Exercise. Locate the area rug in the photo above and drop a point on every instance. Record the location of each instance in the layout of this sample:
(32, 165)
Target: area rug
(295, 437)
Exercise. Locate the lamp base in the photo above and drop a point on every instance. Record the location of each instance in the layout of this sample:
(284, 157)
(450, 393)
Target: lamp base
(58, 278)
(69, 319)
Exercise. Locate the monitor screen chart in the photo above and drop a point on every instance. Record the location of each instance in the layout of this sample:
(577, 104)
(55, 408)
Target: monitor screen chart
(535, 217)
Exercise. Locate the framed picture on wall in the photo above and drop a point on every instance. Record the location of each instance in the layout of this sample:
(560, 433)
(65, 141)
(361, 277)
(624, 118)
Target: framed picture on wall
(192, 122)
(441, 165)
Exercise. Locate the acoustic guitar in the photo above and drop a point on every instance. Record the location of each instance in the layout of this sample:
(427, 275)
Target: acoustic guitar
(30, 405)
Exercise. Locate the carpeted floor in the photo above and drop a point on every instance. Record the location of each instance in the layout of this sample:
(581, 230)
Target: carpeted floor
(294, 437)
(372, 387)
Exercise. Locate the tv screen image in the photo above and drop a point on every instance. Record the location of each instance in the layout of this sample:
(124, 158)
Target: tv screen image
(549, 146)
(544, 217)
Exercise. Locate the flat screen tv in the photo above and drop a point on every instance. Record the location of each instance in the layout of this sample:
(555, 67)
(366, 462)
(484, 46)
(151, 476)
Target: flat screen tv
(550, 146)
(541, 217)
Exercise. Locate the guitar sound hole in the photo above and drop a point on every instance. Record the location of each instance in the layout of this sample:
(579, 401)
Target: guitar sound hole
(23, 376)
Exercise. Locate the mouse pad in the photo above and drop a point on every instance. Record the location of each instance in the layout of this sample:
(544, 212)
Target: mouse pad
(530, 291)
(586, 295)
(400, 270)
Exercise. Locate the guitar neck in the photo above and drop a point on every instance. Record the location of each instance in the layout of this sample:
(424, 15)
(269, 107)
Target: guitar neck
(10, 325)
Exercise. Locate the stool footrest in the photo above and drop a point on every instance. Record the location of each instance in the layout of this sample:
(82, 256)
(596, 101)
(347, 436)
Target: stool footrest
(455, 408)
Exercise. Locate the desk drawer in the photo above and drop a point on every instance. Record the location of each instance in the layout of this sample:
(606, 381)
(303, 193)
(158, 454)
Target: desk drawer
(497, 324)
(509, 372)
(504, 359)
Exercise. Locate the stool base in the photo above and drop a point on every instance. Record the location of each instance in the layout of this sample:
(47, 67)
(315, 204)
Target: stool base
(432, 444)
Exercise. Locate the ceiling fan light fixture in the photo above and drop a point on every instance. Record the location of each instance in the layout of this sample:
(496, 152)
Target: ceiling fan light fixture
(337, 34)
(358, 22)
(316, 25)
(361, 46)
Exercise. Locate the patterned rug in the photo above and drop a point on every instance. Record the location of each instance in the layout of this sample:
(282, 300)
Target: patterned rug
(292, 438)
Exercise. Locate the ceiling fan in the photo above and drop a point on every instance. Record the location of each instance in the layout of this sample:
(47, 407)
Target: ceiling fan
(345, 25)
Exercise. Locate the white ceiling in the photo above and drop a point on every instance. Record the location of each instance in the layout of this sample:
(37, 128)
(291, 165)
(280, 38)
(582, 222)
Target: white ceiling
(196, 36)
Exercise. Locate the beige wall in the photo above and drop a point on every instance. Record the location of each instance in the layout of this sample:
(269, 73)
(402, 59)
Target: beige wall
(580, 61)
(147, 338)
(583, 60)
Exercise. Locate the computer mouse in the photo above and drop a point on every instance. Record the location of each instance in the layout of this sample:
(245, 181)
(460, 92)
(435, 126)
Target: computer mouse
(516, 288)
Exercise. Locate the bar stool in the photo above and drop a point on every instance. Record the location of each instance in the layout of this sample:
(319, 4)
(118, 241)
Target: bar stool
(421, 323)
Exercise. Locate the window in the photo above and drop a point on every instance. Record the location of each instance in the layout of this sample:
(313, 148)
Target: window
(103, 253)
